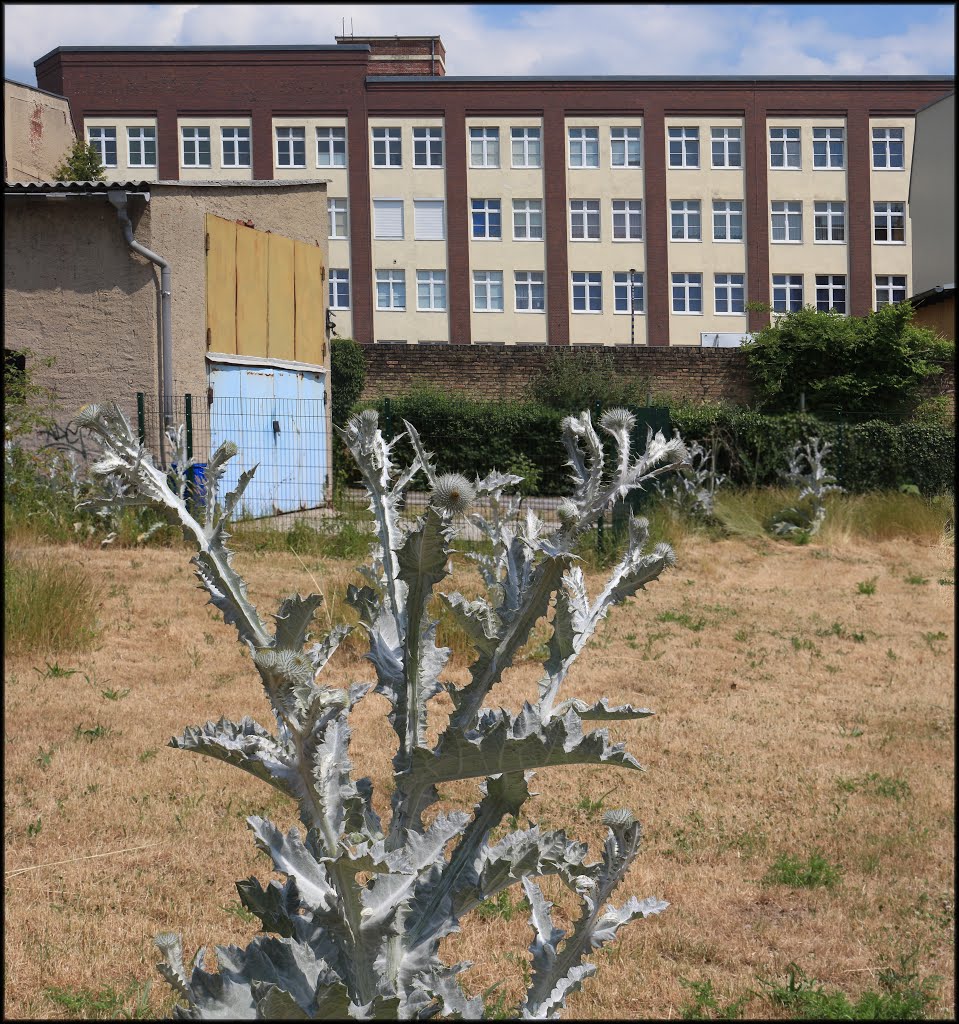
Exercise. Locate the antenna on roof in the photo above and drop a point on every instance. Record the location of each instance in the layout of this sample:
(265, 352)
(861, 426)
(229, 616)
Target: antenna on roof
(343, 24)
(351, 29)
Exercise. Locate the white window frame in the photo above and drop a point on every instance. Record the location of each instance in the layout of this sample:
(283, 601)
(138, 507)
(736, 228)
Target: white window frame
(791, 288)
(395, 280)
(828, 283)
(339, 278)
(487, 140)
(435, 282)
(590, 284)
(428, 146)
(688, 139)
(789, 208)
(384, 205)
(102, 139)
(823, 154)
(889, 286)
(621, 139)
(725, 214)
(524, 135)
(331, 144)
(830, 214)
(724, 135)
(628, 216)
(339, 213)
(391, 142)
(525, 281)
(286, 139)
(238, 134)
(584, 217)
(419, 207)
(485, 282)
(524, 212)
(788, 142)
(884, 212)
(690, 211)
(884, 137)
(489, 206)
(688, 282)
(584, 143)
(732, 287)
(621, 292)
(145, 134)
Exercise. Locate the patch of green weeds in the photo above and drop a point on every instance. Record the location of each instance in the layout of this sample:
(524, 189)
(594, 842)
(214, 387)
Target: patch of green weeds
(112, 694)
(850, 732)
(56, 671)
(805, 644)
(97, 732)
(706, 1006)
(35, 828)
(933, 640)
(648, 654)
(812, 873)
(917, 581)
(682, 619)
(501, 906)
(867, 586)
(108, 1003)
(44, 757)
(147, 755)
(238, 910)
(592, 806)
(879, 785)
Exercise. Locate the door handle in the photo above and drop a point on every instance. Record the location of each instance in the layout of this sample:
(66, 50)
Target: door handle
(276, 426)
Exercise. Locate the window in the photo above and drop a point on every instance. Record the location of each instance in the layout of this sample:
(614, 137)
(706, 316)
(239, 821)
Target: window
(530, 291)
(142, 147)
(785, 148)
(527, 219)
(787, 222)
(683, 147)
(484, 147)
(625, 149)
(887, 149)
(628, 220)
(829, 220)
(587, 293)
(488, 291)
(235, 143)
(889, 222)
(431, 290)
(687, 293)
(291, 147)
(584, 147)
(387, 149)
(890, 290)
(330, 147)
(427, 147)
(828, 148)
(684, 220)
(584, 219)
(727, 146)
(730, 293)
(727, 220)
(527, 147)
(486, 218)
(621, 294)
(391, 289)
(339, 218)
(387, 218)
(339, 289)
(831, 292)
(429, 222)
(787, 293)
(104, 141)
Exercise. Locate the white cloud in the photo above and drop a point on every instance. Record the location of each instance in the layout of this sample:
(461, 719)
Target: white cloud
(562, 39)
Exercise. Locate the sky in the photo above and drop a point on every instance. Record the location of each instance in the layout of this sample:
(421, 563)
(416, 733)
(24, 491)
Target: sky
(531, 39)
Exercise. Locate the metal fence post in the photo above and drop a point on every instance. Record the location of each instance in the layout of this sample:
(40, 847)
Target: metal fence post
(597, 411)
(190, 475)
(388, 418)
(141, 419)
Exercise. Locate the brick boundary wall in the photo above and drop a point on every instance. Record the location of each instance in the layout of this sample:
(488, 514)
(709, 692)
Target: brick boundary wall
(482, 371)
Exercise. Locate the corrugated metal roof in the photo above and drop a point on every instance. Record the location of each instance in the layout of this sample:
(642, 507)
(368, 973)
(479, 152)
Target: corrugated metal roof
(72, 187)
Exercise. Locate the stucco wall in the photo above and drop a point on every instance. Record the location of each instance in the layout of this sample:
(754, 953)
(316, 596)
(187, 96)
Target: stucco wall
(37, 132)
(74, 292)
(932, 197)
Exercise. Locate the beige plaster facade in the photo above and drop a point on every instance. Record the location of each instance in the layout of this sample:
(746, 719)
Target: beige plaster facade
(216, 169)
(37, 132)
(894, 258)
(123, 170)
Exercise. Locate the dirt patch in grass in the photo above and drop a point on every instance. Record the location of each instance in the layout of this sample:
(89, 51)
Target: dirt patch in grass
(799, 722)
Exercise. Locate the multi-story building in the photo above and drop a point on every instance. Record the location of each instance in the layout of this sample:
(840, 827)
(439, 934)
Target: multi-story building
(534, 210)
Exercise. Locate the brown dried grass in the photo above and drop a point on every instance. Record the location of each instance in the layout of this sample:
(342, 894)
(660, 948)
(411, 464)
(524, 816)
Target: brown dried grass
(761, 708)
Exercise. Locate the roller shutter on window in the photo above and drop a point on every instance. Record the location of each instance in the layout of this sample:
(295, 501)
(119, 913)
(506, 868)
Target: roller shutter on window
(388, 218)
(428, 219)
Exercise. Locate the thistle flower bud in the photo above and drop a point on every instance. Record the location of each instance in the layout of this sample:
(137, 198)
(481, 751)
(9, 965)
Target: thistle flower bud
(453, 493)
(618, 819)
(369, 417)
(617, 419)
(567, 513)
(227, 450)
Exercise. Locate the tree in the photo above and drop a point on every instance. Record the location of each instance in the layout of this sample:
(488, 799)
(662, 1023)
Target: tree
(861, 366)
(81, 162)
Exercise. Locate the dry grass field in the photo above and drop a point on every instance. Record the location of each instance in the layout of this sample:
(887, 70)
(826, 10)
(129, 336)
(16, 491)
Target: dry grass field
(798, 802)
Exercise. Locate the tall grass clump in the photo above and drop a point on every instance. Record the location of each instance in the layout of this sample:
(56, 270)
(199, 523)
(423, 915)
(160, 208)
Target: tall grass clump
(889, 515)
(48, 605)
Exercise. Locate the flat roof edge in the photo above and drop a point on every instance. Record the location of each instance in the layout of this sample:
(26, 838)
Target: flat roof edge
(419, 79)
(263, 48)
(34, 88)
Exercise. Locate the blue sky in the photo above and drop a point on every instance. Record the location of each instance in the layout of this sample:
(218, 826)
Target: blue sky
(532, 39)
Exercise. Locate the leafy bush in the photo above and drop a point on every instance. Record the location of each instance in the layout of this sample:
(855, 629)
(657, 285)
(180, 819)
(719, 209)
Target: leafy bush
(347, 377)
(365, 906)
(574, 379)
(81, 162)
(859, 365)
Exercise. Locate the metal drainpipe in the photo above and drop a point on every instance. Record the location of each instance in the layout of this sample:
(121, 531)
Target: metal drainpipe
(119, 199)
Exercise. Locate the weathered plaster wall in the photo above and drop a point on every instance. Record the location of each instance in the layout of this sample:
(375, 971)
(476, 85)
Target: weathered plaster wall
(37, 132)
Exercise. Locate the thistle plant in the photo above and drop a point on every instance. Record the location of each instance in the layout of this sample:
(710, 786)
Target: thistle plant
(692, 489)
(807, 471)
(334, 946)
